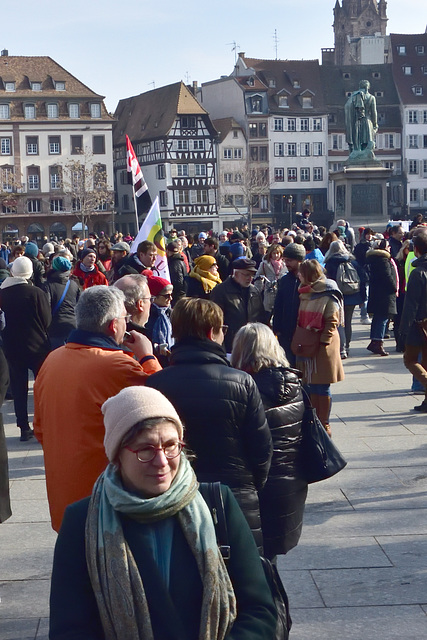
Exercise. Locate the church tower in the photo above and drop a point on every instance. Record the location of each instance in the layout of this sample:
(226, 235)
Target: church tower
(354, 19)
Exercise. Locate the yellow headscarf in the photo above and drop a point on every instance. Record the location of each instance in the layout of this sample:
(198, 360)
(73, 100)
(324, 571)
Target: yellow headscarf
(201, 272)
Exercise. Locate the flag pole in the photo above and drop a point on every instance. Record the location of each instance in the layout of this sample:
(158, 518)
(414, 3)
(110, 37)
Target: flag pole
(136, 212)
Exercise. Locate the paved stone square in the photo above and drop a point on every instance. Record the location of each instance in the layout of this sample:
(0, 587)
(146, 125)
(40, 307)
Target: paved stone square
(360, 570)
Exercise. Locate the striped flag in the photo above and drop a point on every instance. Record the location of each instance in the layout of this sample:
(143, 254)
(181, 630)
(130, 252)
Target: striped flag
(142, 196)
(152, 230)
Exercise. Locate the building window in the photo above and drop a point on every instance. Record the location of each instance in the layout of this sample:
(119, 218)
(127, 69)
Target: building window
(425, 142)
(199, 145)
(413, 117)
(413, 166)
(29, 111)
(54, 145)
(74, 110)
(6, 146)
(317, 174)
(379, 94)
(407, 70)
(161, 172)
(263, 154)
(158, 145)
(425, 195)
(253, 130)
(76, 145)
(317, 124)
(305, 148)
(188, 122)
(32, 145)
(425, 167)
(389, 141)
(228, 154)
(317, 149)
(6, 174)
(279, 175)
(239, 200)
(183, 197)
(279, 149)
(292, 175)
(125, 202)
(292, 149)
(401, 50)
(424, 117)
(291, 124)
(182, 170)
(253, 151)
(199, 197)
(238, 178)
(413, 196)
(376, 75)
(228, 200)
(305, 174)
(9, 86)
(33, 175)
(34, 206)
(95, 110)
(60, 85)
(55, 177)
(228, 178)
(56, 204)
(419, 49)
(76, 204)
(417, 90)
(413, 142)
(283, 102)
(36, 86)
(278, 124)
(256, 104)
(200, 170)
(4, 112)
(307, 102)
(52, 110)
(98, 145)
(182, 145)
(238, 153)
(257, 129)
(163, 197)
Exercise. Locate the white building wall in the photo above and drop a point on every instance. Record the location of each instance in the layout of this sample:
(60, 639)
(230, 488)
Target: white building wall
(414, 146)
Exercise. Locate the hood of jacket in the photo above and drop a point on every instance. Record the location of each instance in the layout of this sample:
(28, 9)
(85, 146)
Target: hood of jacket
(420, 262)
(11, 281)
(380, 253)
(195, 351)
(277, 385)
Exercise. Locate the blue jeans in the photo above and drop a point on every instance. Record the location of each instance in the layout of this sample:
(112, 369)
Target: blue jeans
(364, 309)
(378, 327)
(320, 389)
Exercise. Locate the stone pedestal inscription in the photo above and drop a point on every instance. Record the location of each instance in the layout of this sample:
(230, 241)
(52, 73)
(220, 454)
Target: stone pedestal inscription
(366, 199)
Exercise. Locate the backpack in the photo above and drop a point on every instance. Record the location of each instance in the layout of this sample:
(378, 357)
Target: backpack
(348, 279)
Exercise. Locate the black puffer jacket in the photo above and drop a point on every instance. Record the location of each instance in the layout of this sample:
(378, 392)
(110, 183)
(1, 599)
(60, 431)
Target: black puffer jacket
(64, 320)
(178, 274)
(382, 283)
(283, 497)
(415, 305)
(224, 421)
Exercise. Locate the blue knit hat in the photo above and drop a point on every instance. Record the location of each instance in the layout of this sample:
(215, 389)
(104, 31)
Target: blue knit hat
(31, 249)
(61, 264)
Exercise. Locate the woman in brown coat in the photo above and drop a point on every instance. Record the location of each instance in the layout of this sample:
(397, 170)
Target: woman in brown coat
(320, 310)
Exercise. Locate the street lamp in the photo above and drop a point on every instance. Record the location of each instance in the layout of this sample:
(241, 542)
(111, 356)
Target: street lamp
(290, 200)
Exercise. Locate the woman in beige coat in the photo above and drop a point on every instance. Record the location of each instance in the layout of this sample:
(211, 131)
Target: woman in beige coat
(321, 310)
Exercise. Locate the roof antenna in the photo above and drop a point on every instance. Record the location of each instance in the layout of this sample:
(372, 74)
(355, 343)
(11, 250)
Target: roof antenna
(234, 48)
(187, 77)
(276, 41)
(152, 83)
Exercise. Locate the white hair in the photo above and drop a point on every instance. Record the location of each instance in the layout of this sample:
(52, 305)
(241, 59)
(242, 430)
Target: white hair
(97, 306)
(255, 347)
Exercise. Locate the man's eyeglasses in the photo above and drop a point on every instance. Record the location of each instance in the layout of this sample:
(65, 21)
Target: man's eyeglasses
(224, 328)
(165, 295)
(127, 317)
(149, 452)
(151, 298)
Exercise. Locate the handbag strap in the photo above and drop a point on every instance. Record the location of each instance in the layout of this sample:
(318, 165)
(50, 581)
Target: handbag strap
(61, 299)
(211, 492)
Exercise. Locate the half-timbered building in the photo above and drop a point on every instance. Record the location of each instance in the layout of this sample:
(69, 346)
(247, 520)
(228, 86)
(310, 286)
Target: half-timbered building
(175, 142)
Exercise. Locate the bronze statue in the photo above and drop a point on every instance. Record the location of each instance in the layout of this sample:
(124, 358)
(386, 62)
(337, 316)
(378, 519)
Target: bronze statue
(361, 124)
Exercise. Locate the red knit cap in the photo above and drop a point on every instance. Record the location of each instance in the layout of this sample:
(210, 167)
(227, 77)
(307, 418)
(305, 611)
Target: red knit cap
(155, 283)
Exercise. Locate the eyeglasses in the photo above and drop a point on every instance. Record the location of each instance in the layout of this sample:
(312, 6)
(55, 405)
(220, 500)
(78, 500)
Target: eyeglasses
(171, 450)
(224, 328)
(151, 298)
(127, 317)
(164, 295)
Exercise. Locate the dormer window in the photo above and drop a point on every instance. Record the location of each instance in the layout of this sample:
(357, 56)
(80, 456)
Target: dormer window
(346, 76)
(272, 83)
(417, 90)
(29, 111)
(376, 74)
(307, 102)
(379, 94)
(251, 82)
(296, 84)
(60, 85)
(407, 70)
(52, 110)
(283, 102)
(73, 110)
(9, 86)
(256, 104)
(36, 86)
(419, 49)
(95, 110)
(401, 50)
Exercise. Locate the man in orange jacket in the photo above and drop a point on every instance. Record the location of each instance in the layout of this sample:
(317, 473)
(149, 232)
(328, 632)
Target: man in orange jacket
(73, 383)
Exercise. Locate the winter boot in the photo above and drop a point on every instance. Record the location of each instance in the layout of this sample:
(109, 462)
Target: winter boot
(376, 346)
(322, 404)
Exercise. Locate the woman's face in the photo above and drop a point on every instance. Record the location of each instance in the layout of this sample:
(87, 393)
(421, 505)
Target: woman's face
(213, 269)
(89, 260)
(164, 299)
(102, 249)
(275, 255)
(150, 479)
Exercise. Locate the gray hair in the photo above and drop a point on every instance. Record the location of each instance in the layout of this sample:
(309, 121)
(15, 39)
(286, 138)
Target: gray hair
(97, 306)
(337, 247)
(134, 287)
(255, 347)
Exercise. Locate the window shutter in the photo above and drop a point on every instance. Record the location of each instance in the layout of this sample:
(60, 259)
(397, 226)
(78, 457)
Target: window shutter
(298, 149)
(398, 142)
(211, 196)
(191, 171)
(190, 145)
(193, 196)
(174, 169)
(379, 138)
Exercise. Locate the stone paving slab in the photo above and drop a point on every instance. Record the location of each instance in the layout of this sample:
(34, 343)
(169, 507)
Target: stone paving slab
(405, 551)
(29, 598)
(367, 522)
(350, 623)
(22, 629)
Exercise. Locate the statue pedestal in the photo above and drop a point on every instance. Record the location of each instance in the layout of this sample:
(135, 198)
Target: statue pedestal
(360, 193)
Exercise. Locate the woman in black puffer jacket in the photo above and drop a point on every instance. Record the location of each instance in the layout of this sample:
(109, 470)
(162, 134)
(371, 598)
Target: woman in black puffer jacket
(57, 284)
(282, 500)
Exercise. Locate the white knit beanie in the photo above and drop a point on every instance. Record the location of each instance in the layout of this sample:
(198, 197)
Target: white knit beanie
(130, 406)
(22, 267)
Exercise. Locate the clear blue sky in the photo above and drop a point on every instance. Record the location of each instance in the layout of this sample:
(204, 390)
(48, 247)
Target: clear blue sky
(120, 48)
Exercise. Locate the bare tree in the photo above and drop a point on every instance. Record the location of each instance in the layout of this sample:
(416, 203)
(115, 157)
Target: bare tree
(255, 183)
(10, 188)
(86, 183)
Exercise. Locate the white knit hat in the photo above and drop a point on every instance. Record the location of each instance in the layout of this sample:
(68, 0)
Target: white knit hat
(130, 406)
(22, 267)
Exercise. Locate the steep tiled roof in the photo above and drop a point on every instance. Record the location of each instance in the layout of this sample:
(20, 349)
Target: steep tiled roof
(24, 70)
(150, 115)
(224, 126)
(337, 81)
(416, 61)
(296, 77)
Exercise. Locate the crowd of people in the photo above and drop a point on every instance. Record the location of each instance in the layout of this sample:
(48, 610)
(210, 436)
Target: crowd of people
(195, 378)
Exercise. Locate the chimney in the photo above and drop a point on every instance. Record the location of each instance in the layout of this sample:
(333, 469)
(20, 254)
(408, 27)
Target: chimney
(5, 52)
(241, 54)
(195, 87)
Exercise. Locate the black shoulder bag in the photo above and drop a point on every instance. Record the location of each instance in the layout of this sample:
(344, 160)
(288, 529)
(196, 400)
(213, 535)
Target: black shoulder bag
(211, 492)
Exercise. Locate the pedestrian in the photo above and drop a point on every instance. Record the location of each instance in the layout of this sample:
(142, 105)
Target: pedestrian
(203, 278)
(282, 499)
(63, 293)
(5, 510)
(177, 270)
(87, 272)
(382, 293)
(267, 278)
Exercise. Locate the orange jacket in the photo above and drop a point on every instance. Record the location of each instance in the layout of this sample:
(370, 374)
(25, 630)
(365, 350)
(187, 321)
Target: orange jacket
(73, 383)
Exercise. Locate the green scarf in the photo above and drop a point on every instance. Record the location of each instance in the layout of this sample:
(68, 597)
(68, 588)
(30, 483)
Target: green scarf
(114, 574)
